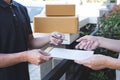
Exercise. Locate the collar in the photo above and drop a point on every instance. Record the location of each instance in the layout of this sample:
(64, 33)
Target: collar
(5, 5)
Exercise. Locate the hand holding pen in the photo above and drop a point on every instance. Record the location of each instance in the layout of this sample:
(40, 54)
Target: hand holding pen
(56, 38)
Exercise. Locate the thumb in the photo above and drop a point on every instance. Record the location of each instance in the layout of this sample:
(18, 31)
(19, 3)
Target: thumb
(44, 53)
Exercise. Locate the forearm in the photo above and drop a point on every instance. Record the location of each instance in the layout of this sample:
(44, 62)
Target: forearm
(11, 59)
(113, 63)
(40, 42)
(110, 44)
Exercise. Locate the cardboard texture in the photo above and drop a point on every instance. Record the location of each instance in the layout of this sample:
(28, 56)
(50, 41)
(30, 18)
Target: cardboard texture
(60, 10)
(45, 24)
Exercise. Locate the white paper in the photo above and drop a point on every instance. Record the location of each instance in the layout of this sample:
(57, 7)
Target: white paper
(71, 54)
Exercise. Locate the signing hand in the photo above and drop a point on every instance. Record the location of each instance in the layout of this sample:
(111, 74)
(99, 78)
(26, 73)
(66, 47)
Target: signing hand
(56, 38)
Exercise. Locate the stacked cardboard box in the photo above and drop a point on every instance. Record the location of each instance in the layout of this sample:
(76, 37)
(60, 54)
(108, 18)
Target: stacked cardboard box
(58, 18)
(60, 10)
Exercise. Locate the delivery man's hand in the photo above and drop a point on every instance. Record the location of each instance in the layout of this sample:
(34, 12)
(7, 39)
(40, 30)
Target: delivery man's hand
(36, 56)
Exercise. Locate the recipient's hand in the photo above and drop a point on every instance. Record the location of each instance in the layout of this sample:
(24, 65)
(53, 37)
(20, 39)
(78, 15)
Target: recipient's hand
(87, 42)
(36, 56)
(56, 38)
(95, 62)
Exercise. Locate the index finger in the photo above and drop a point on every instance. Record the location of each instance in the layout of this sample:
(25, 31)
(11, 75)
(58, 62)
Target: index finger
(82, 38)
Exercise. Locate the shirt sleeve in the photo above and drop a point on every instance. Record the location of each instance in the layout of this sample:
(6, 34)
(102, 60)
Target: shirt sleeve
(28, 21)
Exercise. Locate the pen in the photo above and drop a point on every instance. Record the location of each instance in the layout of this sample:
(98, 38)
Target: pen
(58, 38)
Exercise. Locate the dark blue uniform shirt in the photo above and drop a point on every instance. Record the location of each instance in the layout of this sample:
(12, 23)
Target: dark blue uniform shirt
(14, 31)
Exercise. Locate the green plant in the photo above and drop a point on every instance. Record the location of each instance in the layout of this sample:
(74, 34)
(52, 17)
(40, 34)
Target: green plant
(99, 76)
(110, 24)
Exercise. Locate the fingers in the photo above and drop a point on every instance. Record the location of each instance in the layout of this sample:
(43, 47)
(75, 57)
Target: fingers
(82, 38)
(81, 45)
(56, 38)
(95, 62)
(44, 56)
(42, 59)
(56, 41)
(37, 56)
(84, 44)
(57, 35)
(44, 53)
(85, 63)
(87, 43)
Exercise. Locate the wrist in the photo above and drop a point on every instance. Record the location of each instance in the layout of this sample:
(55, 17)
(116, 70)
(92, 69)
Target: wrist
(23, 56)
(100, 41)
(109, 62)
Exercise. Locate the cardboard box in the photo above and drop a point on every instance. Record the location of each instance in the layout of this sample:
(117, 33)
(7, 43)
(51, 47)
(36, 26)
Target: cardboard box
(45, 24)
(60, 10)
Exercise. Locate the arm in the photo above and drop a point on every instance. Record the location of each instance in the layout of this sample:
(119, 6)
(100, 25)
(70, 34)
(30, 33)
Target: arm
(53, 38)
(38, 42)
(10, 59)
(97, 62)
(33, 56)
(113, 63)
(110, 44)
(92, 42)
